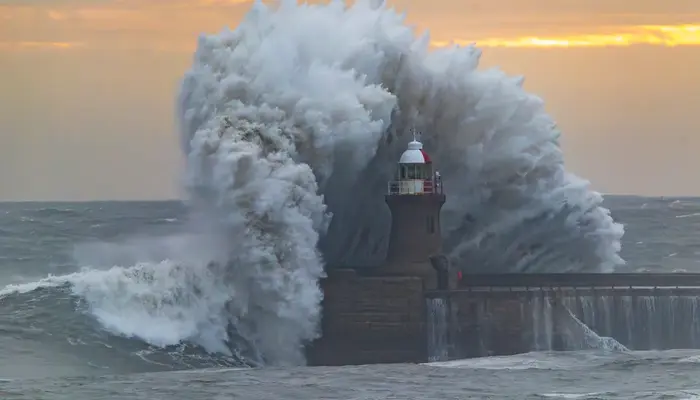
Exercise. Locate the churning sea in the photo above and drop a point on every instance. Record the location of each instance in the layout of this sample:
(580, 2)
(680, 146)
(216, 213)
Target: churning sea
(56, 344)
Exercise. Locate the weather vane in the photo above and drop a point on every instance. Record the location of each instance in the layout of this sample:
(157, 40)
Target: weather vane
(416, 134)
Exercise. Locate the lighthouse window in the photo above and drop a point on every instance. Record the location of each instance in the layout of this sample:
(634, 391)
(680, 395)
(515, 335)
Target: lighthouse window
(410, 171)
(414, 171)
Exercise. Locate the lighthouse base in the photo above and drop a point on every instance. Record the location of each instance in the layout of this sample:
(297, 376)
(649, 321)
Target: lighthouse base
(371, 319)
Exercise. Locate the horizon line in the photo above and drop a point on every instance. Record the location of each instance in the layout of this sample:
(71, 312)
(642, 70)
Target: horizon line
(164, 200)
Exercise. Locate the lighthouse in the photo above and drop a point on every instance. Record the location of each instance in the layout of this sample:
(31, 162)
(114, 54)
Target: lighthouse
(415, 197)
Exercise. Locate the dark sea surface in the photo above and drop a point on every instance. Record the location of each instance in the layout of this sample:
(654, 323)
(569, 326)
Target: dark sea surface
(70, 328)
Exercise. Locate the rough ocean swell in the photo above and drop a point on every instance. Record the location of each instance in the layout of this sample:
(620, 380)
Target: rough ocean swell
(291, 125)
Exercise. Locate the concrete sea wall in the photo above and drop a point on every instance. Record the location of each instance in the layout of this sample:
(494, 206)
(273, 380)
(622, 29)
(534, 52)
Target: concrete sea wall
(486, 323)
(369, 320)
(389, 319)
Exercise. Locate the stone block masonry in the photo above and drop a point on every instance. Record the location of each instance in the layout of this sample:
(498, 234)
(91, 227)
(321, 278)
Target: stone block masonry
(369, 320)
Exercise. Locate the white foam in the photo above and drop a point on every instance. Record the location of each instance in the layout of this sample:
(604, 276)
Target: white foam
(534, 360)
(572, 395)
(50, 281)
(337, 89)
(304, 110)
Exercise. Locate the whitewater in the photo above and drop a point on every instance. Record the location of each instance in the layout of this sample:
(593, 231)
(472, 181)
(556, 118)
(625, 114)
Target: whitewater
(291, 125)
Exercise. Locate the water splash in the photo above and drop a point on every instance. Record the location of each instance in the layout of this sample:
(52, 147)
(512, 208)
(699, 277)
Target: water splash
(291, 125)
(438, 326)
(335, 89)
(488, 324)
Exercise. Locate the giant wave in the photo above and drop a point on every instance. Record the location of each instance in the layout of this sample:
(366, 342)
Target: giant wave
(291, 125)
(301, 113)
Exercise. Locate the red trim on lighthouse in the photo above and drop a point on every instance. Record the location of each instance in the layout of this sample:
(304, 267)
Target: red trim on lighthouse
(426, 158)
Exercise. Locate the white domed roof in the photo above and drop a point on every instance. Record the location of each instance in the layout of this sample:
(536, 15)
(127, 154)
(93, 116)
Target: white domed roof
(414, 154)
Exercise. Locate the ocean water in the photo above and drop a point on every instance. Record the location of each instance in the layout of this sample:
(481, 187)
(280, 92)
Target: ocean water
(291, 125)
(79, 321)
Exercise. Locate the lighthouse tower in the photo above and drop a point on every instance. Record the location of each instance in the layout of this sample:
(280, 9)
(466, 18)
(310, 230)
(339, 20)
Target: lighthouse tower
(415, 198)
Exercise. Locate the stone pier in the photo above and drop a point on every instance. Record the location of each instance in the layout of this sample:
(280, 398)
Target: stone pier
(389, 319)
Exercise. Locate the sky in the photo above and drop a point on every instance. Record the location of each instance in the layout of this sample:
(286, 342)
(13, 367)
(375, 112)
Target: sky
(88, 87)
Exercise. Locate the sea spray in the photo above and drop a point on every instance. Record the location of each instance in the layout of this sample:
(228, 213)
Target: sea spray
(325, 95)
(339, 87)
(291, 125)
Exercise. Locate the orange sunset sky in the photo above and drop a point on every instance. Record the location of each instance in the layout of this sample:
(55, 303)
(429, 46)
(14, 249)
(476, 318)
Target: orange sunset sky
(89, 86)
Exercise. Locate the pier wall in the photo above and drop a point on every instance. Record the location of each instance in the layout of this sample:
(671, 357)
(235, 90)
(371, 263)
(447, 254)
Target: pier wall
(368, 320)
(475, 323)
(390, 319)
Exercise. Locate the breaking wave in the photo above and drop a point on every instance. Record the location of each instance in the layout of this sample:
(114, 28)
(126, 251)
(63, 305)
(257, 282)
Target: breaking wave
(303, 110)
(301, 113)
(292, 124)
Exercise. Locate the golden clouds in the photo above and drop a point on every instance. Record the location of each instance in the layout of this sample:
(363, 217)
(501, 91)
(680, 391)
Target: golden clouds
(157, 25)
(28, 46)
(173, 25)
(655, 35)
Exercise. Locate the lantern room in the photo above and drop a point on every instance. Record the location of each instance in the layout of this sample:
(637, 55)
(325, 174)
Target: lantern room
(415, 175)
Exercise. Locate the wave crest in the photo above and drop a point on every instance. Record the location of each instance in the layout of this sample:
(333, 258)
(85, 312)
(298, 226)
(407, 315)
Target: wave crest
(291, 125)
(301, 113)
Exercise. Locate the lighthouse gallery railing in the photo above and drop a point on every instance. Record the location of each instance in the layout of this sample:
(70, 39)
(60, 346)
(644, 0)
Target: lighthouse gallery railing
(414, 187)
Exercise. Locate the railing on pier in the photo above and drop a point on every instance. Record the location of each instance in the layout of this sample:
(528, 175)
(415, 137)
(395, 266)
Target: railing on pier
(508, 285)
(583, 280)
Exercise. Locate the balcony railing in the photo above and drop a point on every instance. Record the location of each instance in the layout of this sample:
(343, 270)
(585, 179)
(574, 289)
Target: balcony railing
(414, 187)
